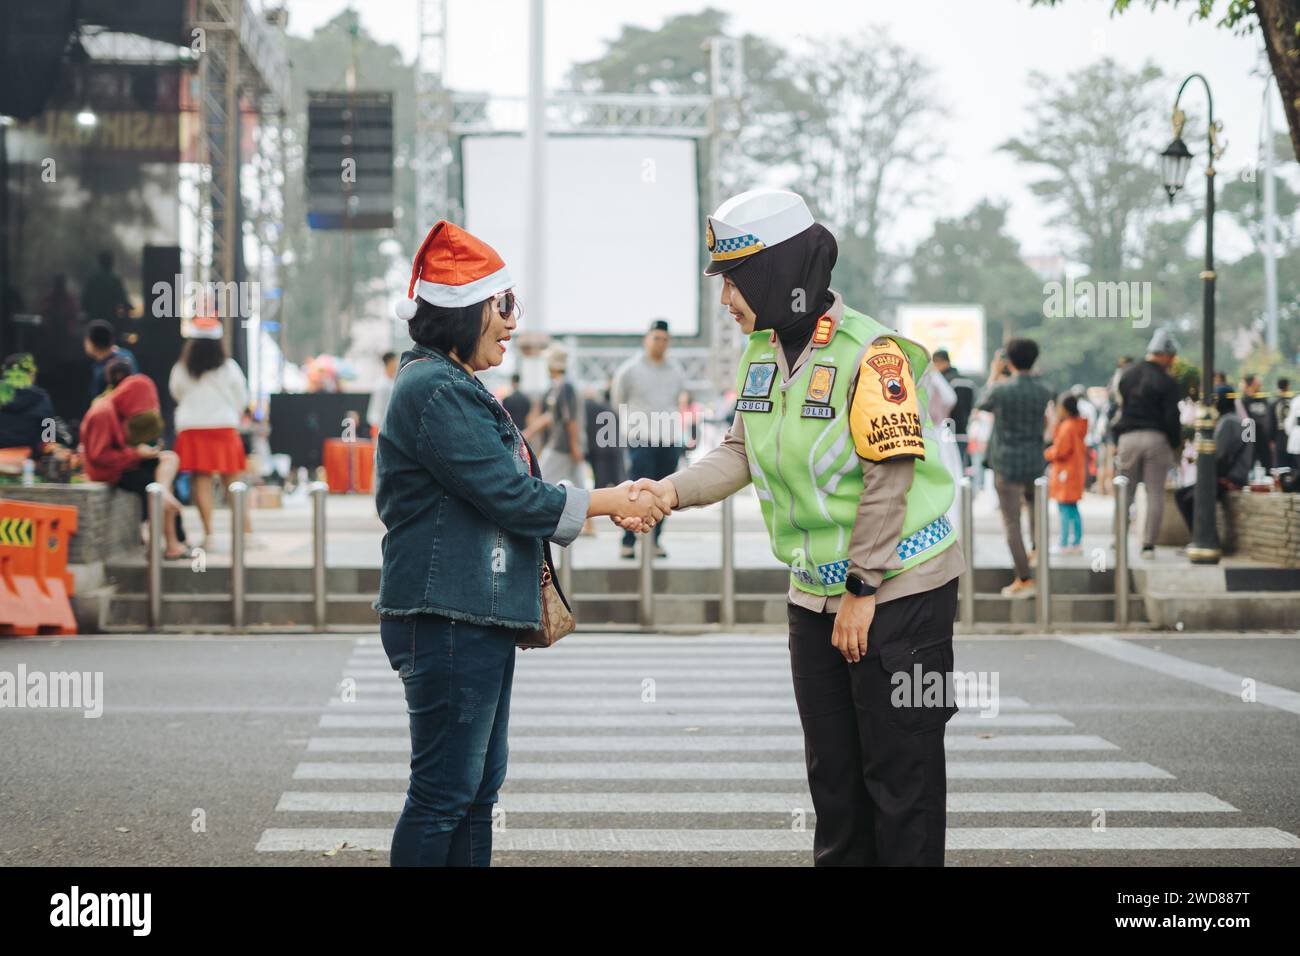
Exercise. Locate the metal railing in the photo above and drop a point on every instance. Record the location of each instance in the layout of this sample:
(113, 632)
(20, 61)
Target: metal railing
(1121, 551)
(153, 497)
(319, 492)
(644, 595)
(238, 492)
(645, 592)
(727, 595)
(966, 539)
(1042, 544)
(646, 609)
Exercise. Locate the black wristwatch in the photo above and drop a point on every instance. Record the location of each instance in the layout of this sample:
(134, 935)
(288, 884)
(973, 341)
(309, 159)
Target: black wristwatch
(858, 587)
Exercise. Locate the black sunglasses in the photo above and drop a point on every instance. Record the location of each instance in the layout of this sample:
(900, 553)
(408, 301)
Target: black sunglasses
(507, 305)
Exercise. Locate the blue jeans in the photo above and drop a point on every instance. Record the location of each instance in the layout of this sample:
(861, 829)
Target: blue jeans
(457, 677)
(1071, 523)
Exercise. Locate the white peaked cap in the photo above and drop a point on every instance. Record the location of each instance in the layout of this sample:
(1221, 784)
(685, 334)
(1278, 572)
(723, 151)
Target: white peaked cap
(753, 221)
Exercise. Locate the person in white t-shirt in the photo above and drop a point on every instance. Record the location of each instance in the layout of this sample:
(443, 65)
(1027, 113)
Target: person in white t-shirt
(211, 397)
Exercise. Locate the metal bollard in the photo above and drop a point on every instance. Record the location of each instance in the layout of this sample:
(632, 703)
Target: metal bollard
(647, 611)
(238, 492)
(153, 498)
(319, 492)
(967, 534)
(1121, 551)
(1043, 545)
(727, 597)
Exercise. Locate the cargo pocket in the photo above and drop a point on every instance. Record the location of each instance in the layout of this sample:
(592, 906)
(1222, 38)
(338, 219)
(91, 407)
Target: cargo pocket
(921, 695)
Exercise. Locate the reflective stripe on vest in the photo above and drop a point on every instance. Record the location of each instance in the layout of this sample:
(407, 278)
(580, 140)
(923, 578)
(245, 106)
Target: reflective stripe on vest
(805, 467)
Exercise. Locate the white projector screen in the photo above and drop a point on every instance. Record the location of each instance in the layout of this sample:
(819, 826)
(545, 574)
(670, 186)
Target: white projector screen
(622, 229)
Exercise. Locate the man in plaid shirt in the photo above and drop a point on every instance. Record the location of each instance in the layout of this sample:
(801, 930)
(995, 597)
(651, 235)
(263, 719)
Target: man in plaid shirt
(1019, 406)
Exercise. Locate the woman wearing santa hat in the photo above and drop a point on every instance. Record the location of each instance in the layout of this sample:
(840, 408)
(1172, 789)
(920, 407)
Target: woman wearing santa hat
(466, 512)
(211, 397)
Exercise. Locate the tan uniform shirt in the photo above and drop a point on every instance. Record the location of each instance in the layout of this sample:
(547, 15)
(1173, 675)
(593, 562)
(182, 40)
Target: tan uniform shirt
(879, 525)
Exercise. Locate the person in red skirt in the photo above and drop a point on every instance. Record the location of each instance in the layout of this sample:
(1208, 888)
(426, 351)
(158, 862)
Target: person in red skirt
(211, 396)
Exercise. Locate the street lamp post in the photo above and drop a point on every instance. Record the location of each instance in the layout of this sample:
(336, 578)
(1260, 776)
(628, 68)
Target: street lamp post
(1174, 163)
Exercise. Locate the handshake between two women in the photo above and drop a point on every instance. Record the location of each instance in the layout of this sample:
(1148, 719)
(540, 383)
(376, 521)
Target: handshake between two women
(635, 505)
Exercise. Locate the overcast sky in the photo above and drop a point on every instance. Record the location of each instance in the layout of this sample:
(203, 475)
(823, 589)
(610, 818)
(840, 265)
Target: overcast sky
(982, 51)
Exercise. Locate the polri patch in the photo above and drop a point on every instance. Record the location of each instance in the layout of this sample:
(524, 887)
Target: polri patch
(817, 411)
(820, 384)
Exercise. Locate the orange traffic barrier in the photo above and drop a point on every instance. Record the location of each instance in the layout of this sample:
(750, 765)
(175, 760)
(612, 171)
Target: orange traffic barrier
(11, 459)
(35, 584)
(349, 465)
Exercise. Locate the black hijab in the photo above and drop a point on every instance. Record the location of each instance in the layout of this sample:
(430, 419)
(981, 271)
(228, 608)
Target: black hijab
(770, 278)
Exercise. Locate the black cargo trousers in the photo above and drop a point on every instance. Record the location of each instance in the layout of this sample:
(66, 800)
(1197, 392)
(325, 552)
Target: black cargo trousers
(873, 738)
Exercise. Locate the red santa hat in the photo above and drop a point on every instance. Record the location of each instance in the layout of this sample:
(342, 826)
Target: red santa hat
(205, 327)
(453, 269)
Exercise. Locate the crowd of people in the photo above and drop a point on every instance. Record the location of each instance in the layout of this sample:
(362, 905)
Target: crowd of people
(1140, 425)
(120, 439)
(656, 422)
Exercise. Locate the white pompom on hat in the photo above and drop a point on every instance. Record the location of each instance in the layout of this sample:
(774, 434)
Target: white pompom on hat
(453, 269)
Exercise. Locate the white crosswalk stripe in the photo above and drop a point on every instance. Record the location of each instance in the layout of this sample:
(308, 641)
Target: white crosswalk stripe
(791, 743)
(764, 802)
(774, 703)
(719, 742)
(746, 770)
(572, 840)
(686, 721)
(601, 674)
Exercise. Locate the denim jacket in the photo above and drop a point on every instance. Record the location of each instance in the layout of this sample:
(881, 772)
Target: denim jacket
(465, 518)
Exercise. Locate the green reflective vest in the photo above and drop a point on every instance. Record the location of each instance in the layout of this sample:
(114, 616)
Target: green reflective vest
(805, 465)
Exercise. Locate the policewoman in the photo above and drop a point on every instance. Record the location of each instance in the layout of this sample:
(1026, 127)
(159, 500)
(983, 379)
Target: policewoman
(831, 428)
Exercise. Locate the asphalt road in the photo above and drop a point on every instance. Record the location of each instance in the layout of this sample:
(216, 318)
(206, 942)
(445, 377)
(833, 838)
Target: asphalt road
(221, 750)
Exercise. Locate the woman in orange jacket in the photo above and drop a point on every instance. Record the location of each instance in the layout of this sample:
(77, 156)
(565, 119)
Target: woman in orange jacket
(1069, 457)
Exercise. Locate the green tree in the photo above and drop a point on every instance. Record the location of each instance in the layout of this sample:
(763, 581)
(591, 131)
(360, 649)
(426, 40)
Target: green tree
(1091, 134)
(847, 123)
(864, 147)
(1239, 301)
(972, 259)
(1279, 23)
(1174, 272)
(1244, 203)
(674, 59)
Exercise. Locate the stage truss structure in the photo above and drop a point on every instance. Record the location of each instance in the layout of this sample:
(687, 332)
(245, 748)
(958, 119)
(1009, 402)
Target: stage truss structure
(243, 68)
(442, 116)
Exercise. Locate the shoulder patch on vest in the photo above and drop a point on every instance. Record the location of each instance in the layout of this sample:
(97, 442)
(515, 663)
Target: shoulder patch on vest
(885, 418)
(825, 328)
(758, 380)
